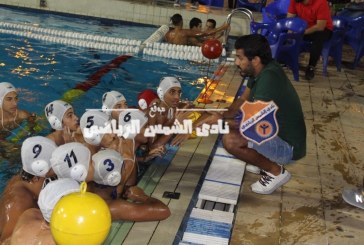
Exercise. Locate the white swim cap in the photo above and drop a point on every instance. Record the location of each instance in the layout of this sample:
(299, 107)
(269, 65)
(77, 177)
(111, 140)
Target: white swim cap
(55, 111)
(131, 122)
(71, 160)
(91, 124)
(36, 153)
(5, 88)
(53, 192)
(110, 99)
(166, 84)
(107, 164)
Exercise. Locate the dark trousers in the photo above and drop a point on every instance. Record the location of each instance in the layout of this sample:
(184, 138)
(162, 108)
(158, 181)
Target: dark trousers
(317, 40)
(232, 4)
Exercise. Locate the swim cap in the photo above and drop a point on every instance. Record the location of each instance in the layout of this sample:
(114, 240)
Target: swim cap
(91, 124)
(71, 160)
(107, 164)
(55, 111)
(146, 97)
(131, 122)
(53, 192)
(5, 88)
(36, 153)
(110, 99)
(166, 84)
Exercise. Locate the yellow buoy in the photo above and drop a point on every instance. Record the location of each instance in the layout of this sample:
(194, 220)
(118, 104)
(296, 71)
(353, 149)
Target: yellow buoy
(80, 218)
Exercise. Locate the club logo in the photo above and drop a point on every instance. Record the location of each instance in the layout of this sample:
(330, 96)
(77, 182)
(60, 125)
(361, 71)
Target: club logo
(259, 123)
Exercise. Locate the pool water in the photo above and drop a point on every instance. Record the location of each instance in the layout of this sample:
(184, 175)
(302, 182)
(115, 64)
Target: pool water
(45, 71)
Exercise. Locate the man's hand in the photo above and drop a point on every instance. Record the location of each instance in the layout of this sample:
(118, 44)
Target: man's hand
(67, 135)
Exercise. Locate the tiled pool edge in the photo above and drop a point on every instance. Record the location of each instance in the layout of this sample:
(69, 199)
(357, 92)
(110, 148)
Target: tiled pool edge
(182, 175)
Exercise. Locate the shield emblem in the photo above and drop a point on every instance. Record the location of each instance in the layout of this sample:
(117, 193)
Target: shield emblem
(259, 123)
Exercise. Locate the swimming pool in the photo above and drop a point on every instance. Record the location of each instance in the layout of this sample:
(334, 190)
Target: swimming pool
(45, 71)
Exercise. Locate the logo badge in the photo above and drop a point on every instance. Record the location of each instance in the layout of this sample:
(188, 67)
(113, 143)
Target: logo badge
(259, 123)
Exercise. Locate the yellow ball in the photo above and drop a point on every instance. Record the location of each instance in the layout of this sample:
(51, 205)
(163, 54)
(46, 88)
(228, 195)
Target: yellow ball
(72, 94)
(80, 218)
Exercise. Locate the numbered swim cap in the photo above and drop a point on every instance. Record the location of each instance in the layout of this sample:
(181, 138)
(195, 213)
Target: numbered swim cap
(36, 153)
(5, 88)
(71, 160)
(107, 164)
(110, 99)
(53, 192)
(131, 122)
(166, 84)
(146, 97)
(92, 124)
(55, 111)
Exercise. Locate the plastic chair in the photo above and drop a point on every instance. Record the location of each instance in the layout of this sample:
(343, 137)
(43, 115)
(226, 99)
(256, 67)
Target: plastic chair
(275, 11)
(252, 6)
(215, 3)
(285, 38)
(334, 46)
(354, 36)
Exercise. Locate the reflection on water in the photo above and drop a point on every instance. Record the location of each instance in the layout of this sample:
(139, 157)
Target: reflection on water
(10, 161)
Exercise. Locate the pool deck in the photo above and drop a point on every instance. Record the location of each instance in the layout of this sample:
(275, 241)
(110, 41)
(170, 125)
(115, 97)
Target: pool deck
(309, 208)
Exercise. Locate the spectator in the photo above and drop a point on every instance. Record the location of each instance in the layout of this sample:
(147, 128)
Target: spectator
(319, 27)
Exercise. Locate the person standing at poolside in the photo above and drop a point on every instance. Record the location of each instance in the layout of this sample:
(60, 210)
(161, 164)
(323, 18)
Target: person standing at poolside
(11, 116)
(268, 82)
(180, 36)
(21, 192)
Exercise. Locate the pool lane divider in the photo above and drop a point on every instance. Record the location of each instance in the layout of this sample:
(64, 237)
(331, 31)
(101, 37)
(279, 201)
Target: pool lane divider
(153, 45)
(112, 44)
(94, 79)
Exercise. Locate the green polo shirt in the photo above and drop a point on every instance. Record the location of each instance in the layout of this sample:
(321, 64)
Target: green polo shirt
(273, 84)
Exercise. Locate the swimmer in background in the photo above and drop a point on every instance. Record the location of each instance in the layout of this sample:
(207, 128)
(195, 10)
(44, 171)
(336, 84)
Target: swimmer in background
(21, 192)
(180, 36)
(196, 25)
(211, 25)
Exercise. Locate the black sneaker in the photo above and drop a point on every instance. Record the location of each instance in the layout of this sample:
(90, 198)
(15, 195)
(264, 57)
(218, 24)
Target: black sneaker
(310, 72)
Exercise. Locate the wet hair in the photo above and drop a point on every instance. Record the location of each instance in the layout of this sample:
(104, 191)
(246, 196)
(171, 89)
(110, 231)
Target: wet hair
(255, 45)
(194, 22)
(212, 21)
(176, 19)
(26, 176)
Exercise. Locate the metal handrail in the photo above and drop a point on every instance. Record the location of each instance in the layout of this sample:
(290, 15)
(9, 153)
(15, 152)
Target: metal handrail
(245, 11)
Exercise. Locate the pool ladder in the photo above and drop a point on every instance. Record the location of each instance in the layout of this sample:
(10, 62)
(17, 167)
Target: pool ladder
(248, 13)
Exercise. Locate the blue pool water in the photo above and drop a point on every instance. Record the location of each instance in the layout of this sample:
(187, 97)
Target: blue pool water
(44, 71)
